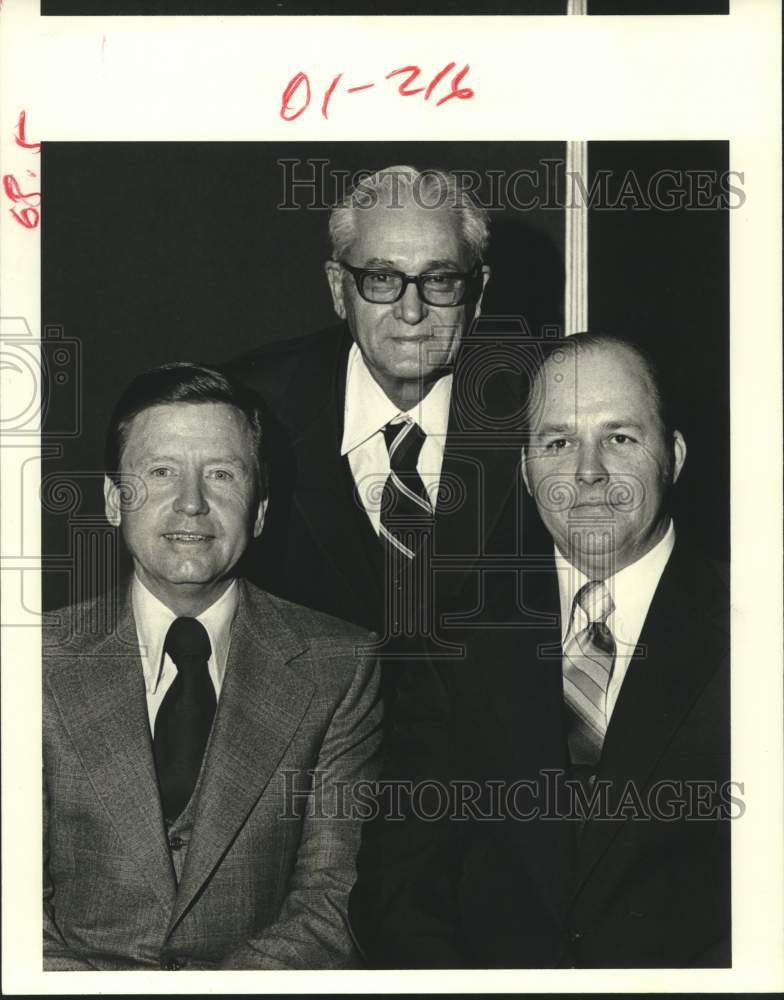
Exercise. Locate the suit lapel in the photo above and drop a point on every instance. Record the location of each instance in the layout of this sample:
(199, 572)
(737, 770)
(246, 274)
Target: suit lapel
(100, 693)
(682, 648)
(324, 495)
(517, 671)
(482, 460)
(261, 706)
(526, 695)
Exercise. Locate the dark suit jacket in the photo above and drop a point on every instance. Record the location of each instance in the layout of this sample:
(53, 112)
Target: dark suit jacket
(636, 890)
(265, 884)
(318, 547)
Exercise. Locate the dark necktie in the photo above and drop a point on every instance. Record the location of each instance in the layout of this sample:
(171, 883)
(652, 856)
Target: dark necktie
(588, 662)
(185, 716)
(405, 507)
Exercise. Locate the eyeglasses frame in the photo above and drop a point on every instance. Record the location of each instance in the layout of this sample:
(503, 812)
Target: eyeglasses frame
(415, 279)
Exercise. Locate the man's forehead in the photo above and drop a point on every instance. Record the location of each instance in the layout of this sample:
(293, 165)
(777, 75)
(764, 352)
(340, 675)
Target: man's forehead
(191, 423)
(387, 231)
(611, 367)
(602, 378)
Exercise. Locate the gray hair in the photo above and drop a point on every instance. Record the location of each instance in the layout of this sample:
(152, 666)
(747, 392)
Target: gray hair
(398, 185)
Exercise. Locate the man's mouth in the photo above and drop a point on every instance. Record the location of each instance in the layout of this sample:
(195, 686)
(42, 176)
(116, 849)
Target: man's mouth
(593, 507)
(186, 537)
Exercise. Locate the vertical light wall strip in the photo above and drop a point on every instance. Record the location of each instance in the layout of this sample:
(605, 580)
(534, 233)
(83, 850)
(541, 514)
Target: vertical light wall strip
(576, 241)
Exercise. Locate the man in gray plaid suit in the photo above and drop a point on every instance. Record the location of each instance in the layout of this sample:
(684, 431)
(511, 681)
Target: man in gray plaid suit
(199, 734)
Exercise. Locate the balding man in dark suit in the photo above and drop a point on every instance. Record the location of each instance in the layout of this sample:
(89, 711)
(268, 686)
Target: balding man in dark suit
(569, 776)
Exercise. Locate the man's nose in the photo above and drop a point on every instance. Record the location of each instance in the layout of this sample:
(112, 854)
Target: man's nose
(191, 498)
(410, 308)
(591, 470)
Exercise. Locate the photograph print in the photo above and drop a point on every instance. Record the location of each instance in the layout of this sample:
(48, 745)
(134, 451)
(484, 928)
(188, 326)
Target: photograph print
(385, 555)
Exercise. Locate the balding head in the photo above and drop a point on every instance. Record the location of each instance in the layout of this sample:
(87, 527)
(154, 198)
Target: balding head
(601, 455)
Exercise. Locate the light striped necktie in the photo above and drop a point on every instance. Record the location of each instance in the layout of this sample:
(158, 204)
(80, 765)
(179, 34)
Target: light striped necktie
(405, 506)
(588, 662)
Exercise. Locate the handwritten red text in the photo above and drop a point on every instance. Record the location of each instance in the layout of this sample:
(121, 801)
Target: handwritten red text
(297, 93)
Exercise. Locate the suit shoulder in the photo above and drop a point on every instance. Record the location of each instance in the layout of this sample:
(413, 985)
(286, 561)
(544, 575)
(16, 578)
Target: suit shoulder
(66, 631)
(711, 577)
(264, 365)
(720, 574)
(312, 628)
(317, 627)
(330, 653)
(57, 622)
(717, 593)
(706, 586)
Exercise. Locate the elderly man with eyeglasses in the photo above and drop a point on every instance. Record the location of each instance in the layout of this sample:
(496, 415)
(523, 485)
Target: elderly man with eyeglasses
(387, 479)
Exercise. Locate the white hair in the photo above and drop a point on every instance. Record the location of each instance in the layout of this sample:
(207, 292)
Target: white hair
(398, 185)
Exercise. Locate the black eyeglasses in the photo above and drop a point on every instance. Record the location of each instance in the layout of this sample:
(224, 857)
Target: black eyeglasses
(437, 288)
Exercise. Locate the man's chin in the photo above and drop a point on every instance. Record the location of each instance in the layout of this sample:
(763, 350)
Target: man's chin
(413, 371)
(193, 575)
(594, 556)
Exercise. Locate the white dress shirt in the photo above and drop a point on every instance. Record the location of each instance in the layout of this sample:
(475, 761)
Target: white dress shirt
(153, 619)
(367, 411)
(632, 591)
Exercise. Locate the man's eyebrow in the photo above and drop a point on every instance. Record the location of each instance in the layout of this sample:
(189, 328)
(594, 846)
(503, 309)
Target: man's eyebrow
(227, 460)
(155, 457)
(442, 264)
(175, 459)
(545, 429)
(614, 425)
(375, 262)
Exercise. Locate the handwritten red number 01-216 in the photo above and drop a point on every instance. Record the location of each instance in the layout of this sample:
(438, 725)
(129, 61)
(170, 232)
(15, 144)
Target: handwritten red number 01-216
(297, 93)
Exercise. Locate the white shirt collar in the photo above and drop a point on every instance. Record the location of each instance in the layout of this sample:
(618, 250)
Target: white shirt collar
(368, 409)
(153, 619)
(632, 590)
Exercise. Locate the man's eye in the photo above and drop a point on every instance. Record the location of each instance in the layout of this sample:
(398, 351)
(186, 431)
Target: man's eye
(557, 445)
(222, 475)
(621, 439)
(381, 277)
(440, 280)
(161, 472)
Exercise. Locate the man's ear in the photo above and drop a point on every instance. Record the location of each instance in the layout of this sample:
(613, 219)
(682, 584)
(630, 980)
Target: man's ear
(485, 279)
(679, 454)
(334, 274)
(524, 470)
(258, 523)
(112, 502)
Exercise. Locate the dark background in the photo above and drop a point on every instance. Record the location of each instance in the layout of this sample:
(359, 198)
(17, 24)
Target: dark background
(662, 277)
(153, 252)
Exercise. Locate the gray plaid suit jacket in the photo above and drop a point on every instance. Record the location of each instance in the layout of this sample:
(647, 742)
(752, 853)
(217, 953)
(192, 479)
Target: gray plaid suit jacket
(267, 877)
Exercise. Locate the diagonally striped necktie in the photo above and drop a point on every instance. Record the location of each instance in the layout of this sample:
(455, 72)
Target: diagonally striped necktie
(405, 507)
(588, 661)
